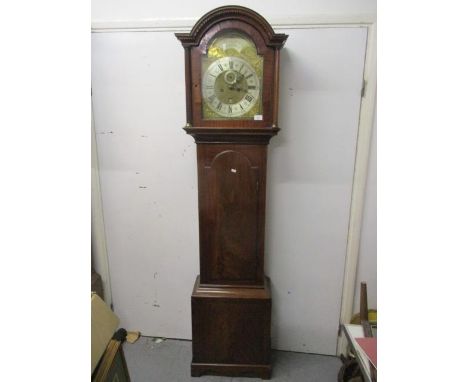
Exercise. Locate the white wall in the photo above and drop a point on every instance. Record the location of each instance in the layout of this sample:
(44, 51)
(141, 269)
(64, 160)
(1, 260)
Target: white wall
(148, 179)
(140, 10)
(310, 177)
(148, 172)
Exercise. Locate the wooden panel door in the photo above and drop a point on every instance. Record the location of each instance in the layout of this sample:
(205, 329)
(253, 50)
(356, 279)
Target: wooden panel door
(231, 197)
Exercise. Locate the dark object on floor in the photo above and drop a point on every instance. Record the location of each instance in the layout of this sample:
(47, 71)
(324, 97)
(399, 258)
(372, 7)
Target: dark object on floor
(96, 284)
(350, 371)
(112, 366)
(120, 335)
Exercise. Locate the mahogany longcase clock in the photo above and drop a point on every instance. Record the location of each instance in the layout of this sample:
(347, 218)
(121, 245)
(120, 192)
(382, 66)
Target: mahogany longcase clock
(232, 60)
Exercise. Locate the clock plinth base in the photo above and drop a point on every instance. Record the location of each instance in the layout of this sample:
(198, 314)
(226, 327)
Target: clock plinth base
(231, 331)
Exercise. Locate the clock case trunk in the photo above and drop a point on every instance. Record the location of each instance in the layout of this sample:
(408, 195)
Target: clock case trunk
(231, 300)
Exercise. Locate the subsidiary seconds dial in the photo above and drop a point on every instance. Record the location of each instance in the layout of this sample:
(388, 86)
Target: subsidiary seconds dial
(230, 87)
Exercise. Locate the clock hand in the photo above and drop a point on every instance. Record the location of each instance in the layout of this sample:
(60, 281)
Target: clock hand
(237, 82)
(236, 88)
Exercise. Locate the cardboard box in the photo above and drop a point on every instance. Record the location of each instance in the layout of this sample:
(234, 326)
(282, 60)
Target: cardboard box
(104, 323)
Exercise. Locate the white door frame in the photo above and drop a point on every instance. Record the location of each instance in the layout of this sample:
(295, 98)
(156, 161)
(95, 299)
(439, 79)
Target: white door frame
(100, 258)
(366, 116)
(366, 121)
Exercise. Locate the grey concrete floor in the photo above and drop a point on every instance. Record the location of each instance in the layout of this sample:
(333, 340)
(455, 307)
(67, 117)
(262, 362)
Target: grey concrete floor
(169, 361)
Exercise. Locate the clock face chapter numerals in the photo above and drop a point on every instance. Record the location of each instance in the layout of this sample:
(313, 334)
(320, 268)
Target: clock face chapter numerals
(230, 87)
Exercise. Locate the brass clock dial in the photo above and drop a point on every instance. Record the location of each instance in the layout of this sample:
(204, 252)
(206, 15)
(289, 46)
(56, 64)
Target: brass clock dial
(231, 87)
(232, 79)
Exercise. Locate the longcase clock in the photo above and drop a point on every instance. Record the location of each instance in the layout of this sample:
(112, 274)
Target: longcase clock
(232, 60)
